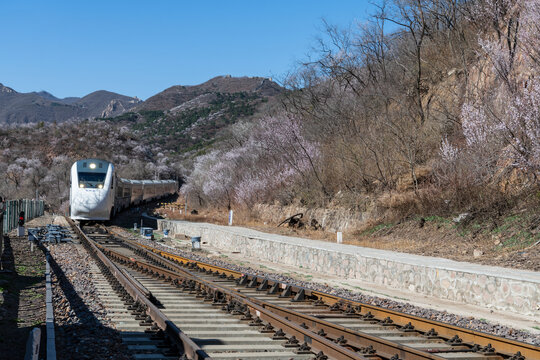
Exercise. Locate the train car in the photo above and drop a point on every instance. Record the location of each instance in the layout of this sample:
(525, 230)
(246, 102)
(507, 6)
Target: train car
(136, 192)
(148, 190)
(91, 195)
(96, 193)
(123, 195)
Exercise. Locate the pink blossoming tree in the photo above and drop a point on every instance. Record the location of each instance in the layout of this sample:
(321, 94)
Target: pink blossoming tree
(274, 154)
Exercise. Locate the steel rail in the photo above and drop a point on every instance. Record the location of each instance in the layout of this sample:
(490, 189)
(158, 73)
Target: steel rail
(354, 339)
(505, 347)
(137, 284)
(318, 343)
(184, 342)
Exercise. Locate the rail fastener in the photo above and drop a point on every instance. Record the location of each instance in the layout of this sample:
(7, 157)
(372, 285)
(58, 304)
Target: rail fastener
(505, 347)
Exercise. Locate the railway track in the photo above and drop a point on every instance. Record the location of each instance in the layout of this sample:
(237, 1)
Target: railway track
(158, 306)
(302, 323)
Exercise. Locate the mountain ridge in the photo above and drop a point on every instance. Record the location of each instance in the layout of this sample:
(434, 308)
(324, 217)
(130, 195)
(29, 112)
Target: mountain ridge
(19, 108)
(178, 94)
(188, 119)
(32, 107)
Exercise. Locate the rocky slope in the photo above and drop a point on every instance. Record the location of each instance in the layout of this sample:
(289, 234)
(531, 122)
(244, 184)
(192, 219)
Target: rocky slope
(237, 92)
(20, 108)
(188, 118)
(177, 95)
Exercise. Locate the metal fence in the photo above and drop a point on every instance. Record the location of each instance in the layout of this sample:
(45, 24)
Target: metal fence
(12, 208)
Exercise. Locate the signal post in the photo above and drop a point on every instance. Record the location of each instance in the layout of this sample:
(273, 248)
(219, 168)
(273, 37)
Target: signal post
(20, 229)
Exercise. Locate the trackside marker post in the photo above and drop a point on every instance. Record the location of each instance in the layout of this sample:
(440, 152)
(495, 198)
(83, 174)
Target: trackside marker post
(230, 217)
(20, 230)
(339, 237)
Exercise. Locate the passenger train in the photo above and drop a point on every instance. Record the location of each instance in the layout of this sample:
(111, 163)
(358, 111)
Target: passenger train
(96, 193)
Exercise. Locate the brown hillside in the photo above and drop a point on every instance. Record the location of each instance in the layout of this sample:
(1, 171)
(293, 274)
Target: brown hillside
(177, 95)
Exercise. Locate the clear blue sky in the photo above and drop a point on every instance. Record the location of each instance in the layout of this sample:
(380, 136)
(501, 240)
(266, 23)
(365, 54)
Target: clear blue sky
(138, 48)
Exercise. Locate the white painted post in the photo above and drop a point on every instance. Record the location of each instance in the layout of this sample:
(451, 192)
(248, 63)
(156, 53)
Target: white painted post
(339, 237)
(134, 226)
(230, 217)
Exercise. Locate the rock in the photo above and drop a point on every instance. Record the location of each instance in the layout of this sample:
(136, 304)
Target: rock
(461, 217)
(477, 253)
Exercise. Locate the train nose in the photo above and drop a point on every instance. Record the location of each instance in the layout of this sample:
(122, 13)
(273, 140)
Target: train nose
(91, 204)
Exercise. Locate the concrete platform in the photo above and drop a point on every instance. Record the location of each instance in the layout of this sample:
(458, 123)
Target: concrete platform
(490, 287)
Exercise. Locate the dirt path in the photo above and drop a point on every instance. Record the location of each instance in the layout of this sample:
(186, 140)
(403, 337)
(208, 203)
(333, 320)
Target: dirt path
(22, 302)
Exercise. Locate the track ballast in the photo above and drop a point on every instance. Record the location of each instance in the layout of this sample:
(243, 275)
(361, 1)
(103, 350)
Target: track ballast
(303, 323)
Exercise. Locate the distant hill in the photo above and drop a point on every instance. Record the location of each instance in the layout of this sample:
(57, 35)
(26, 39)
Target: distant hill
(105, 103)
(46, 95)
(188, 118)
(177, 95)
(33, 107)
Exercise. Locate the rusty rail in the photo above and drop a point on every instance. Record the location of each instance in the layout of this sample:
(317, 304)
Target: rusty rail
(175, 272)
(504, 347)
(184, 342)
(286, 319)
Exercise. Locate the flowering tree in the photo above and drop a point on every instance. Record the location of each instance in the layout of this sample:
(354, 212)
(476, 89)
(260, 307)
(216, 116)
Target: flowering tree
(530, 32)
(506, 121)
(274, 155)
(501, 44)
(35, 172)
(14, 174)
(211, 178)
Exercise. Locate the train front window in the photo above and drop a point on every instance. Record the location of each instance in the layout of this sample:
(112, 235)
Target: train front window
(91, 180)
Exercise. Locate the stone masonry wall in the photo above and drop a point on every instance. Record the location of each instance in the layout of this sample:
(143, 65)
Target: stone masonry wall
(493, 287)
(336, 219)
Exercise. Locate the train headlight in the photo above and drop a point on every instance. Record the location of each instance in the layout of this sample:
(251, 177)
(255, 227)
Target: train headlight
(81, 185)
(92, 166)
(100, 186)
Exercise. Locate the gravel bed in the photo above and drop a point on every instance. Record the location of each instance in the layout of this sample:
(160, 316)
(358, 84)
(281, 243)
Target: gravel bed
(83, 330)
(442, 316)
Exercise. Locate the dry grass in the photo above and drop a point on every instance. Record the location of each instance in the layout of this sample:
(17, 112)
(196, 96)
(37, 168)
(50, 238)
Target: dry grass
(245, 218)
(506, 240)
(394, 205)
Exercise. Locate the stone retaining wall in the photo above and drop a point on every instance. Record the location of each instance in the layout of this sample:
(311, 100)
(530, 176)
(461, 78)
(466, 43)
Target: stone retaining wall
(488, 286)
(336, 219)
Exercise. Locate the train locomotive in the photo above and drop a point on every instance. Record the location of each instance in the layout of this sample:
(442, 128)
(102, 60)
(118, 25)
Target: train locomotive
(96, 193)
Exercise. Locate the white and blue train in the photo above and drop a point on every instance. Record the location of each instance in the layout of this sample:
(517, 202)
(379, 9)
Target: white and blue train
(96, 193)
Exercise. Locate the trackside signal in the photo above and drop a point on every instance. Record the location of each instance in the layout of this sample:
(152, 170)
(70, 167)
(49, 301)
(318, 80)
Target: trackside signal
(21, 218)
